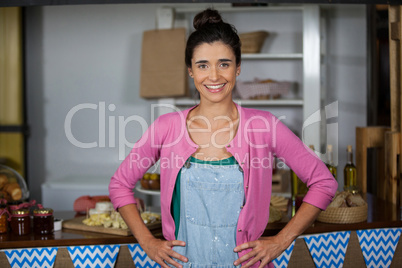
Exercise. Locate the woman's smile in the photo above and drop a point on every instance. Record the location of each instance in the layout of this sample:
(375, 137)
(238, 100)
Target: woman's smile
(215, 88)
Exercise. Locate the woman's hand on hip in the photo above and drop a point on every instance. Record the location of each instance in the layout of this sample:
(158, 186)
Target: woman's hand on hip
(161, 251)
(264, 249)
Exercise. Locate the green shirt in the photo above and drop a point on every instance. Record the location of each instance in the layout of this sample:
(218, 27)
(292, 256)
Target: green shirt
(175, 208)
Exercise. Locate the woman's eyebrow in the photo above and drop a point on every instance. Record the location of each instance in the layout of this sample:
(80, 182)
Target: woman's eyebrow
(201, 61)
(220, 60)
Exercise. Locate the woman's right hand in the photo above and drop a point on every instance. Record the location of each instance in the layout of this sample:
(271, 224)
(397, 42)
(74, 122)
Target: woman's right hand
(161, 252)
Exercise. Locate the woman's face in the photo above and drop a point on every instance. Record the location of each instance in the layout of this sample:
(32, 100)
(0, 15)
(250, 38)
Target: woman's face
(214, 70)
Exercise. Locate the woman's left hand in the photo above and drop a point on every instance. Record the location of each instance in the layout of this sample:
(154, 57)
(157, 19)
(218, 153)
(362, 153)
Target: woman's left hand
(264, 249)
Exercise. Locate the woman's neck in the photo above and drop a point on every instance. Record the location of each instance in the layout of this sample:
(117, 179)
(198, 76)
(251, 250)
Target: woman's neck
(212, 110)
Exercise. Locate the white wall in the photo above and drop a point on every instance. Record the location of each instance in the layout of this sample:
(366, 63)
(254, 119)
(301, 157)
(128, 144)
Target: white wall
(90, 54)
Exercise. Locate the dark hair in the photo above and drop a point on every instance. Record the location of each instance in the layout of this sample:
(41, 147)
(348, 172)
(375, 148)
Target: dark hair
(209, 28)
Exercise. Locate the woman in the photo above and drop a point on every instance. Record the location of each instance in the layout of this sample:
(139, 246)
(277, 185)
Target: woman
(216, 168)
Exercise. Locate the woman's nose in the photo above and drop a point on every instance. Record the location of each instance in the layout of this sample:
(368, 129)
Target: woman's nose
(213, 74)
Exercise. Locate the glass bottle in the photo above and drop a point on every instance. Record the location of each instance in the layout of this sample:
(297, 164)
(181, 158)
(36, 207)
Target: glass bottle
(4, 214)
(349, 173)
(43, 221)
(330, 165)
(299, 189)
(20, 222)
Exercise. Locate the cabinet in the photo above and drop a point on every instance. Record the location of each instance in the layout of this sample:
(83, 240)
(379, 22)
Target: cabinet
(304, 55)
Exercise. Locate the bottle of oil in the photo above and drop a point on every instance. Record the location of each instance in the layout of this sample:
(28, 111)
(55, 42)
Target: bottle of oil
(349, 172)
(330, 161)
(299, 190)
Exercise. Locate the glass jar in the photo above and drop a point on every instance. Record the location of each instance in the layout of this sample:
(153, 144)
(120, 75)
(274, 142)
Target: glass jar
(43, 221)
(3, 219)
(20, 222)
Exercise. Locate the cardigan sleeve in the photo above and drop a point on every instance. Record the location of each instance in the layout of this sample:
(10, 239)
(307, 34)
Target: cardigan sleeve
(306, 164)
(144, 154)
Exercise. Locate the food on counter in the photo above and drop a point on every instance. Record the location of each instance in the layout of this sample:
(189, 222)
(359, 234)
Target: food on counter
(151, 181)
(114, 219)
(105, 206)
(9, 188)
(96, 219)
(347, 199)
(274, 214)
(150, 217)
(279, 202)
(278, 205)
(84, 203)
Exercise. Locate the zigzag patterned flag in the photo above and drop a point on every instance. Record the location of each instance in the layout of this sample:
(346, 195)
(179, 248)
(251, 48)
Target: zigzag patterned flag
(283, 259)
(31, 257)
(378, 245)
(140, 258)
(329, 249)
(94, 256)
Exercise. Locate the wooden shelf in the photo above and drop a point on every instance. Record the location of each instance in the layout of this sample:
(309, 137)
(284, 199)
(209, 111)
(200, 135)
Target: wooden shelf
(21, 3)
(249, 103)
(266, 56)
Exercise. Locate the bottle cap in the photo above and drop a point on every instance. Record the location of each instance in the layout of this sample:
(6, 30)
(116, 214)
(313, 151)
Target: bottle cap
(329, 147)
(20, 212)
(43, 211)
(349, 148)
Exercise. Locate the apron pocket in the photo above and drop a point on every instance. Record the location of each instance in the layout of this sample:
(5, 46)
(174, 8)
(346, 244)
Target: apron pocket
(213, 204)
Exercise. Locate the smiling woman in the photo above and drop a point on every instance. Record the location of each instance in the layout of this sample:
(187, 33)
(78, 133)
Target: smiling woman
(215, 190)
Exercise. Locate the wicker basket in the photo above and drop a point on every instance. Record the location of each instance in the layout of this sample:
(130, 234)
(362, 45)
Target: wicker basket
(261, 90)
(344, 215)
(252, 42)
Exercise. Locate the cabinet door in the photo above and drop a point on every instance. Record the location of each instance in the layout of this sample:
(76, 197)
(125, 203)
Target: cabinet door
(12, 140)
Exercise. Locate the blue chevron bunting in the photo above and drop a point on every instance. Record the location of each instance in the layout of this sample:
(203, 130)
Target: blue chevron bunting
(329, 249)
(103, 256)
(283, 259)
(140, 258)
(378, 245)
(31, 257)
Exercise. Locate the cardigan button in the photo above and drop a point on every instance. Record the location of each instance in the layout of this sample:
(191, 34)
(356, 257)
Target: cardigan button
(228, 146)
(246, 186)
(241, 206)
(239, 230)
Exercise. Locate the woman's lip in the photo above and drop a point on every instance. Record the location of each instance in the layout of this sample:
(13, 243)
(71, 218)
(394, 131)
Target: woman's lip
(217, 89)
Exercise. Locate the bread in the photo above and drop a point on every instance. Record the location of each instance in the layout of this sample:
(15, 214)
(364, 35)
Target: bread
(347, 199)
(355, 200)
(339, 200)
(3, 180)
(14, 190)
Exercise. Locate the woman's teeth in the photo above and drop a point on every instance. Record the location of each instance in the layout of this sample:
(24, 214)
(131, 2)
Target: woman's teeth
(215, 87)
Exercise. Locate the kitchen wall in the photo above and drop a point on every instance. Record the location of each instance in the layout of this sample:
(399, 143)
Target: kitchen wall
(83, 70)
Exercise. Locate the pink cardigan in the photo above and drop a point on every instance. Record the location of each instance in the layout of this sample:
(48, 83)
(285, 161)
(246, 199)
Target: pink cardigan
(259, 138)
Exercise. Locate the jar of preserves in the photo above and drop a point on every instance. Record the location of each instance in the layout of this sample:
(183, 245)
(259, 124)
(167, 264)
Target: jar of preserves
(4, 216)
(20, 222)
(43, 221)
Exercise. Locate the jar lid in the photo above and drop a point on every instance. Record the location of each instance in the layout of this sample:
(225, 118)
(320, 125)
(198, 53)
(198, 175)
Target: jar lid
(43, 211)
(20, 212)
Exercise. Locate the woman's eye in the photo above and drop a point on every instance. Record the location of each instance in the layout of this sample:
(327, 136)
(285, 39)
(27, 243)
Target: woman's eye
(224, 65)
(202, 66)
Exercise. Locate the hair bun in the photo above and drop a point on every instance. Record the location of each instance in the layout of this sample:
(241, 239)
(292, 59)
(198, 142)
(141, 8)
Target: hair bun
(208, 16)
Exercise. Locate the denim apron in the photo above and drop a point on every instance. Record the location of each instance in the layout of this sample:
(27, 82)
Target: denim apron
(211, 200)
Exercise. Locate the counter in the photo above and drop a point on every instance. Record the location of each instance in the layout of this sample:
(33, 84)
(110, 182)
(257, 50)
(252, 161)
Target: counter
(381, 214)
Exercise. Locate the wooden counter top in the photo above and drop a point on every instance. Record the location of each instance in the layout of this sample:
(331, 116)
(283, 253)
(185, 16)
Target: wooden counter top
(381, 214)
(66, 237)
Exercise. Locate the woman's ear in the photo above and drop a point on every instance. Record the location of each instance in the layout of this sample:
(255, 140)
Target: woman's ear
(238, 69)
(190, 72)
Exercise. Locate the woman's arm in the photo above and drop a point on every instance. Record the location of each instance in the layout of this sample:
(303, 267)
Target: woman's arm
(266, 249)
(157, 249)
